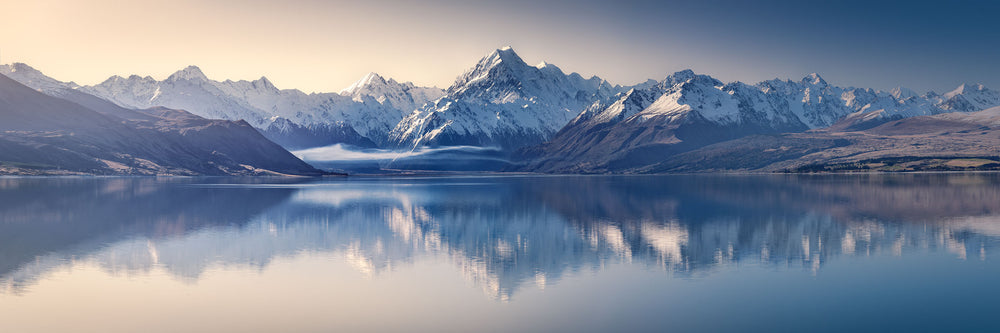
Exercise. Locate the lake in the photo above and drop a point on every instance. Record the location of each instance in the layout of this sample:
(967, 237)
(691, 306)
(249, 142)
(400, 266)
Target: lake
(688, 253)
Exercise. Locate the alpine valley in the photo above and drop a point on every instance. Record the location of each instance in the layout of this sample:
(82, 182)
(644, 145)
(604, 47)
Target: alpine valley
(531, 119)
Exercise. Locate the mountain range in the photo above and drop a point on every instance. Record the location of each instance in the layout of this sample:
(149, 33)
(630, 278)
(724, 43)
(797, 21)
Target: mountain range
(684, 112)
(545, 120)
(362, 114)
(944, 142)
(502, 102)
(62, 131)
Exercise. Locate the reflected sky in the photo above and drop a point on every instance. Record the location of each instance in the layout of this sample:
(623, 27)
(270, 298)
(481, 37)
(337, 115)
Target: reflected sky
(510, 240)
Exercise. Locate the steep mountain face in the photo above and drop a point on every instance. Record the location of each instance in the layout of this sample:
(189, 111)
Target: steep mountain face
(819, 104)
(33, 78)
(685, 111)
(42, 134)
(682, 112)
(188, 89)
(399, 96)
(555, 122)
(969, 97)
(387, 103)
(294, 136)
(363, 115)
(502, 102)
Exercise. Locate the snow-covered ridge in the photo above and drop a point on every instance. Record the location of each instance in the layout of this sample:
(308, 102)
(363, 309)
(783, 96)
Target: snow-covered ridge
(370, 111)
(771, 106)
(650, 122)
(188, 73)
(33, 78)
(502, 101)
(371, 107)
(401, 96)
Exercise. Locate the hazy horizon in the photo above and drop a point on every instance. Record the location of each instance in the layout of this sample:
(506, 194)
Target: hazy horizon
(320, 46)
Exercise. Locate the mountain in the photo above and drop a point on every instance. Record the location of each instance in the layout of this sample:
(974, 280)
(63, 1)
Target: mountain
(33, 78)
(502, 102)
(681, 112)
(651, 124)
(902, 93)
(294, 136)
(400, 96)
(42, 134)
(969, 97)
(548, 120)
(187, 89)
(943, 142)
(363, 115)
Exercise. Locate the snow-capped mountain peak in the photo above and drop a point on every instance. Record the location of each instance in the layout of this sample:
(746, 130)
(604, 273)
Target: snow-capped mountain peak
(965, 88)
(544, 65)
(970, 97)
(502, 101)
(500, 62)
(685, 92)
(188, 73)
(368, 80)
(373, 108)
(814, 79)
(505, 54)
(902, 93)
(404, 97)
(264, 83)
(22, 67)
(34, 78)
(676, 78)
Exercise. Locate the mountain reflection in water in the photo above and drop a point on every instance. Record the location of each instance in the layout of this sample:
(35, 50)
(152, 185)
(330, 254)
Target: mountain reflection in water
(499, 232)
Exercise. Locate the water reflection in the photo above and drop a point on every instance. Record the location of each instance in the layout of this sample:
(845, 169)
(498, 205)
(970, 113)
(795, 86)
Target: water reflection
(500, 233)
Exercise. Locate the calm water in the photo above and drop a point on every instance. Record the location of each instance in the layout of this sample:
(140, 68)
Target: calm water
(579, 254)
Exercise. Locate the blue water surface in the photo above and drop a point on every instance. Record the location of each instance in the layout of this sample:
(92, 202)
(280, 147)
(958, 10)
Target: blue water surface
(687, 253)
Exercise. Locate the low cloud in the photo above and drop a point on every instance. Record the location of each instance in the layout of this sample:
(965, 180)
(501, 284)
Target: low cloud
(341, 152)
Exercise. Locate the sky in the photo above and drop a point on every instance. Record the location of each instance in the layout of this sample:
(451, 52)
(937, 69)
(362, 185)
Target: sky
(321, 46)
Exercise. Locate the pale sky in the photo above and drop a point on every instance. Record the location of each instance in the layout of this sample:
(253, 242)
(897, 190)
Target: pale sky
(326, 45)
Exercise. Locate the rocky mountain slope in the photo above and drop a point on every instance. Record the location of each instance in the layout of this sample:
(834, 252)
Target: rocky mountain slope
(42, 134)
(548, 120)
(502, 102)
(362, 114)
(943, 142)
(651, 124)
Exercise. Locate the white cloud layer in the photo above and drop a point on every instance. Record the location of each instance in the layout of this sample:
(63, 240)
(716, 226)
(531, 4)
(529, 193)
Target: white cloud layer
(341, 152)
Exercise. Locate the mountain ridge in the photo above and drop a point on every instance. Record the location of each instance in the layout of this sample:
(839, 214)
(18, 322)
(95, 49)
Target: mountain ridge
(548, 120)
(687, 111)
(365, 116)
(41, 134)
(502, 101)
